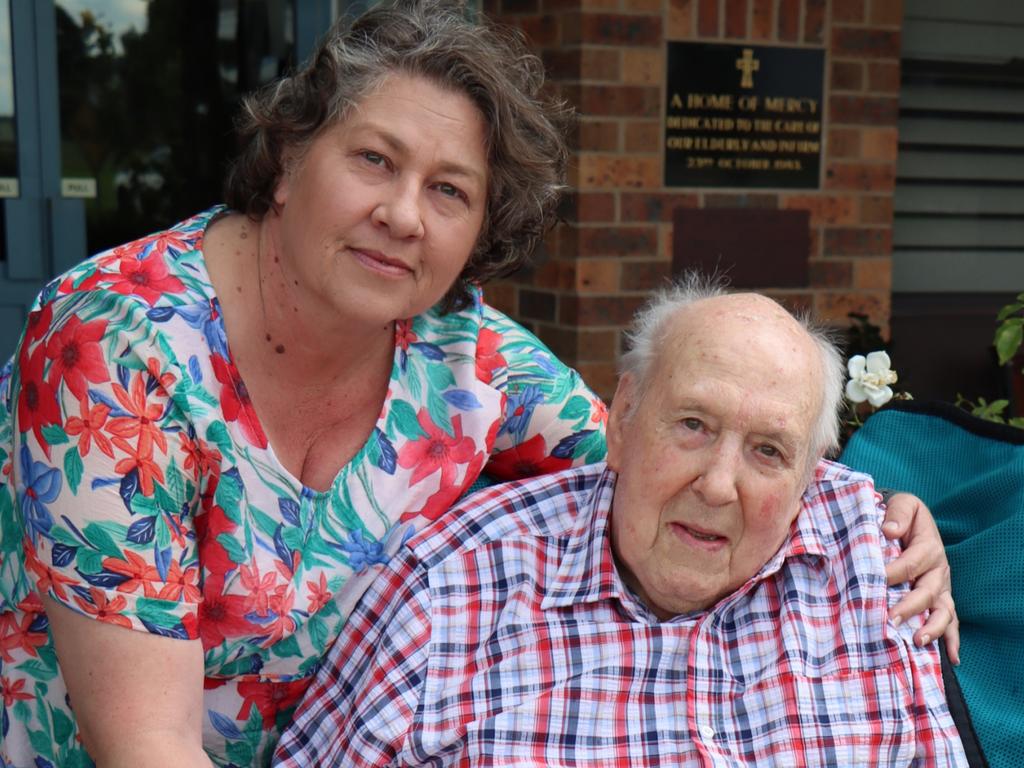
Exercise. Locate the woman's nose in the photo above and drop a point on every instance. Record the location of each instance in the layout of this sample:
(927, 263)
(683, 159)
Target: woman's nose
(399, 211)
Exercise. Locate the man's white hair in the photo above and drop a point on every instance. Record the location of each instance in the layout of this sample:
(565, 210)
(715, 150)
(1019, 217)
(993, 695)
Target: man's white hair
(651, 321)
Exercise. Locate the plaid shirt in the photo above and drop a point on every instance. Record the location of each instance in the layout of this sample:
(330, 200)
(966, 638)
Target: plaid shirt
(504, 636)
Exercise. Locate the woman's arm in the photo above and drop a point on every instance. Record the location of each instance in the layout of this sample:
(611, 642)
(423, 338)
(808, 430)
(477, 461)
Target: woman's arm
(138, 697)
(924, 563)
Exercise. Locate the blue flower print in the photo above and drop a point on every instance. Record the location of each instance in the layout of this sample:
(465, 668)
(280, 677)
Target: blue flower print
(38, 485)
(521, 403)
(363, 553)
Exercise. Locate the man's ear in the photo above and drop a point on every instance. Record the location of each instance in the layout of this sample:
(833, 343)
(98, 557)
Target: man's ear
(623, 404)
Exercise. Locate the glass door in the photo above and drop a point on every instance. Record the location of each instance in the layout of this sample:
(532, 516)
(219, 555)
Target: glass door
(116, 120)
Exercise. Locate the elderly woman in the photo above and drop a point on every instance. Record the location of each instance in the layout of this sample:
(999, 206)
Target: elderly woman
(216, 434)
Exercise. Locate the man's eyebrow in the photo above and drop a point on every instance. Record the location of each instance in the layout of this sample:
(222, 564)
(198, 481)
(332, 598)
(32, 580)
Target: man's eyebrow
(449, 167)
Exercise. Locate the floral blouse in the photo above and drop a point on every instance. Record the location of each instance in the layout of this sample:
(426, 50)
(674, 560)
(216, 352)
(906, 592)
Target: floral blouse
(138, 487)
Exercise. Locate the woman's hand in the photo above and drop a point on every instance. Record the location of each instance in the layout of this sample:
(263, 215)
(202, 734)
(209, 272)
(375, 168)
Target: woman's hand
(137, 697)
(923, 562)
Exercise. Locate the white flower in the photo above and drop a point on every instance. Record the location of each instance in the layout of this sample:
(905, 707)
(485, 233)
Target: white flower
(870, 379)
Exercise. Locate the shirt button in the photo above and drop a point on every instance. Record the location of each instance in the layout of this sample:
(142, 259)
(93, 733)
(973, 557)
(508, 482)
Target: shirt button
(707, 731)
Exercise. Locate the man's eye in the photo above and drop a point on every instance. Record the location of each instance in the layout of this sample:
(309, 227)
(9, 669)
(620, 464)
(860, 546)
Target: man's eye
(694, 425)
(769, 450)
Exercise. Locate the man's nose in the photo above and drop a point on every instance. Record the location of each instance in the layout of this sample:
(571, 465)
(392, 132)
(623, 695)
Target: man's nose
(399, 210)
(716, 483)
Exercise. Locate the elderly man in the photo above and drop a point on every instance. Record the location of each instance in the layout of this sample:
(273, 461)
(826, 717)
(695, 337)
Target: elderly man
(715, 595)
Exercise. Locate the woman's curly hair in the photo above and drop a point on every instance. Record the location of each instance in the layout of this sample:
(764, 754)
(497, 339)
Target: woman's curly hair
(525, 128)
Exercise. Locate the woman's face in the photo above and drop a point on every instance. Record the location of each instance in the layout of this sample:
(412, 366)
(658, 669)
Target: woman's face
(378, 218)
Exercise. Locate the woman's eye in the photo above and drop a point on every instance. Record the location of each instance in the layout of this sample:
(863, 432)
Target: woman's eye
(374, 157)
(448, 190)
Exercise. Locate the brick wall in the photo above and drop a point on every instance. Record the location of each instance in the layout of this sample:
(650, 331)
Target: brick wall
(608, 58)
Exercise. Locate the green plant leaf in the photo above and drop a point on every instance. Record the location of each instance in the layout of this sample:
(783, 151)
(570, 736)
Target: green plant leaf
(1008, 339)
(1008, 310)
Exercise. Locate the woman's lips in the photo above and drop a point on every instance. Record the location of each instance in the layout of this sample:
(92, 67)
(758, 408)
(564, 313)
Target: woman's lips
(378, 262)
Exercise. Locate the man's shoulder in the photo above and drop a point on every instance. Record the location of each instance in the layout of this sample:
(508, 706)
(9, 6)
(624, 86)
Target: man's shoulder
(543, 507)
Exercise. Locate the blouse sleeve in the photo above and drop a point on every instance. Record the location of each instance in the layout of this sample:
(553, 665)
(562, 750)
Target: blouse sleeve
(104, 486)
(551, 420)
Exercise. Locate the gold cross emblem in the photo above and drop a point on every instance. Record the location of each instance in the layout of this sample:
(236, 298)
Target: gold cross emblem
(749, 65)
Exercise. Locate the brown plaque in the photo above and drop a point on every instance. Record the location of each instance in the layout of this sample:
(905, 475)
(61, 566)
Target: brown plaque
(752, 247)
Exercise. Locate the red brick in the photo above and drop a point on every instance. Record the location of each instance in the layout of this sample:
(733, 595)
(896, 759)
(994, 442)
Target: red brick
(621, 240)
(864, 110)
(542, 31)
(537, 305)
(618, 100)
(835, 308)
(866, 177)
(643, 136)
(789, 20)
(876, 210)
(847, 76)
(572, 345)
(520, 6)
(886, 13)
(825, 209)
(847, 11)
(762, 20)
(595, 136)
(645, 275)
(597, 276)
(592, 311)
(680, 20)
(588, 207)
(503, 296)
(643, 66)
(814, 21)
(879, 144)
(858, 241)
(830, 273)
(867, 43)
(873, 274)
(797, 303)
(736, 18)
(744, 200)
(600, 377)
(608, 172)
(884, 76)
(582, 64)
(656, 206)
(843, 143)
(707, 18)
(612, 29)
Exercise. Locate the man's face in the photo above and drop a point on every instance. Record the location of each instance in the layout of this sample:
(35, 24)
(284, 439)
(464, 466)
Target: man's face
(713, 460)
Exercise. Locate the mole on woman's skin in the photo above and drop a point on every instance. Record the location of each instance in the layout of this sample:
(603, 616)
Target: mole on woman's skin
(279, 349)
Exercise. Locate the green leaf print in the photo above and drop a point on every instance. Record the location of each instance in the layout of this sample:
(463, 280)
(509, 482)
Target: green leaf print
(577, 408)
(38, 671)
(73, 469)
(233, 548)
(240, 753)
(218, 435)
(40, 742)
(89, 561)
(289, 646)
(97, 535)
(403, 417)
(54, 434)
(158, 612)
(228, 496)
(63, 728)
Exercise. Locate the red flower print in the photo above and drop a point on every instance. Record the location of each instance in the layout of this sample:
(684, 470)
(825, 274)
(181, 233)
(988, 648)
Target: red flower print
(436, 451)
(208, 527)
(199, 456)
(319, 594)
(13, 692)
(46, 579)
(181, 584)
(37, 403)
(77, 357)
(258, 599)
(222, 616)
(16, 635)
(599, 413)
(76, 283)
(235, 401)
(143, 463)
(526, 460)
(138, 570)
(162, 242)
(404, 335)
(164, 380)
(488, 359)
(441, 501)
(38, 324)
(143, 420)
(269, 698)
(146, 278)
(281, 604)
(88, 426)
(103, 609)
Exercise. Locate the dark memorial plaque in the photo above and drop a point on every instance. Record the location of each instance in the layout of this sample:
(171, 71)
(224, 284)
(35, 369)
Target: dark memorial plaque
(743, 116)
